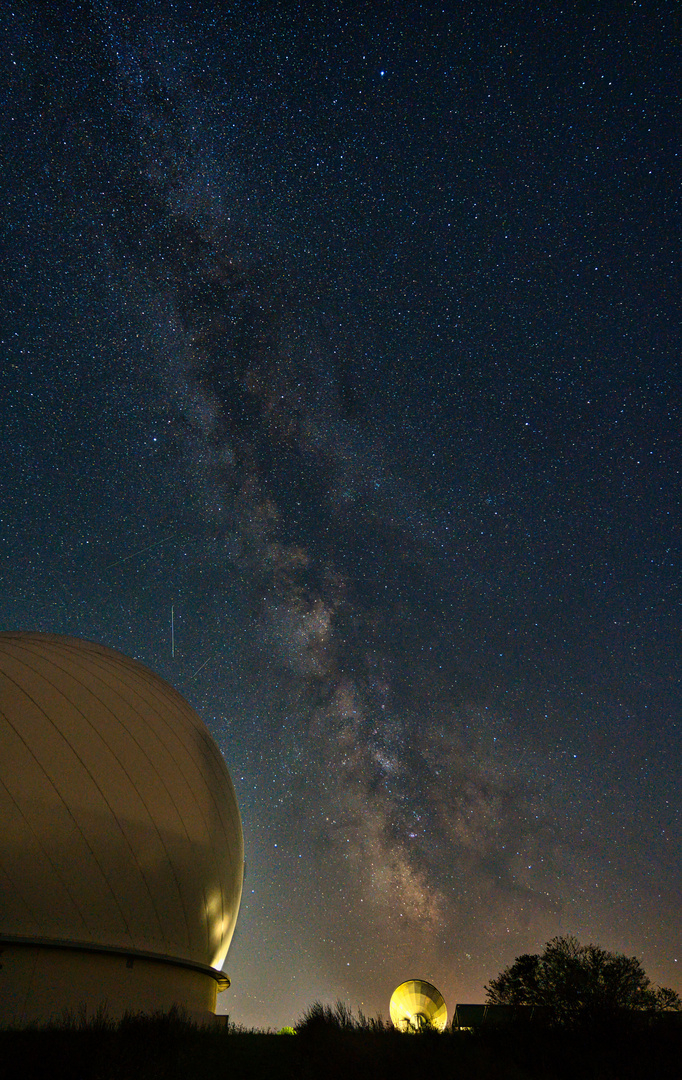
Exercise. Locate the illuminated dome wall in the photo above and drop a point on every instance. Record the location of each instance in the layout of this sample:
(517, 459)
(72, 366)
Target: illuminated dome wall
(121, 851)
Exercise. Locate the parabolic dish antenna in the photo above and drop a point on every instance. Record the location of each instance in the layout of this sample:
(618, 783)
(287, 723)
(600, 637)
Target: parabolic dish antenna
(416, 1005)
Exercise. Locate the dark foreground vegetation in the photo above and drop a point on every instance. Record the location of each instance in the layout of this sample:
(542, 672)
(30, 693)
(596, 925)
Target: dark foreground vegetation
(570, 980)
(331, 1043)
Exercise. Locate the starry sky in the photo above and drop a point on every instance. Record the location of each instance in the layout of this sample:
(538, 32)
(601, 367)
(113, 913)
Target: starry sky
(350, 334)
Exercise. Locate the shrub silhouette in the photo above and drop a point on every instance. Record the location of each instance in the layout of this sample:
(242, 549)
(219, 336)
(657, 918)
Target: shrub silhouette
(172, 1047)
(326, 1018)
(576, 983)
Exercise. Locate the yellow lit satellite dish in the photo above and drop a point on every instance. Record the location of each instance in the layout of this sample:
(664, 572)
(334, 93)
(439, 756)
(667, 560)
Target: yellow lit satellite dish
(417, 1004)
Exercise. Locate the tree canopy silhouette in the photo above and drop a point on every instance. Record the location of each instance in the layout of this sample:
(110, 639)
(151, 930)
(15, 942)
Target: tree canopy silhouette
(573, 982)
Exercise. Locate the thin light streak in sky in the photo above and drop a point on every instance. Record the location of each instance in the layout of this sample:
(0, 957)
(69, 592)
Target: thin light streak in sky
(141, 551)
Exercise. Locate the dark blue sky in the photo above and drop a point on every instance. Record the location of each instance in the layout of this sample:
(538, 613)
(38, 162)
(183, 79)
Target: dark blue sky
(352, 332)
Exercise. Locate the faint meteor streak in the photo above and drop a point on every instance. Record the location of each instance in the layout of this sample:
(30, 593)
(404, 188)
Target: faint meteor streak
(200, 668)
(140, 552)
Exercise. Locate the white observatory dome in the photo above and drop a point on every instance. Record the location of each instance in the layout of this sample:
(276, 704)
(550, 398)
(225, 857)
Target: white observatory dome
(121, 844)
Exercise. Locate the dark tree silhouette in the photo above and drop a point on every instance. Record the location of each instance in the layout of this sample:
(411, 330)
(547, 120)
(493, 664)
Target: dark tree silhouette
(574, 982)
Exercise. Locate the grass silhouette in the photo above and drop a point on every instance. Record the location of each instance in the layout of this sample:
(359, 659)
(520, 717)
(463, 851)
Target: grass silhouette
(331, 1042)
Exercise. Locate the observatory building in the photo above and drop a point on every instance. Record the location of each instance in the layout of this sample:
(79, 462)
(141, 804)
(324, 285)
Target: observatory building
(121, 851)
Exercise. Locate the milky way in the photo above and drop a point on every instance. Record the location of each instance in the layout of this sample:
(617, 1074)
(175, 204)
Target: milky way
(320, 386)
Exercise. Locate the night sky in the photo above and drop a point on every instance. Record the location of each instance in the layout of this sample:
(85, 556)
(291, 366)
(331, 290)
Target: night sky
(351, 332)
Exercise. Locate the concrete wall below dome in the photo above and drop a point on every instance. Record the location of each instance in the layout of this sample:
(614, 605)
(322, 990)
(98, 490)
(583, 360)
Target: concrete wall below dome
(40, 984)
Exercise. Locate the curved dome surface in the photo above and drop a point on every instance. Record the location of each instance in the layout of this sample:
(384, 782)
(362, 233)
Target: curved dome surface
(416, 1004)
(120, 826)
